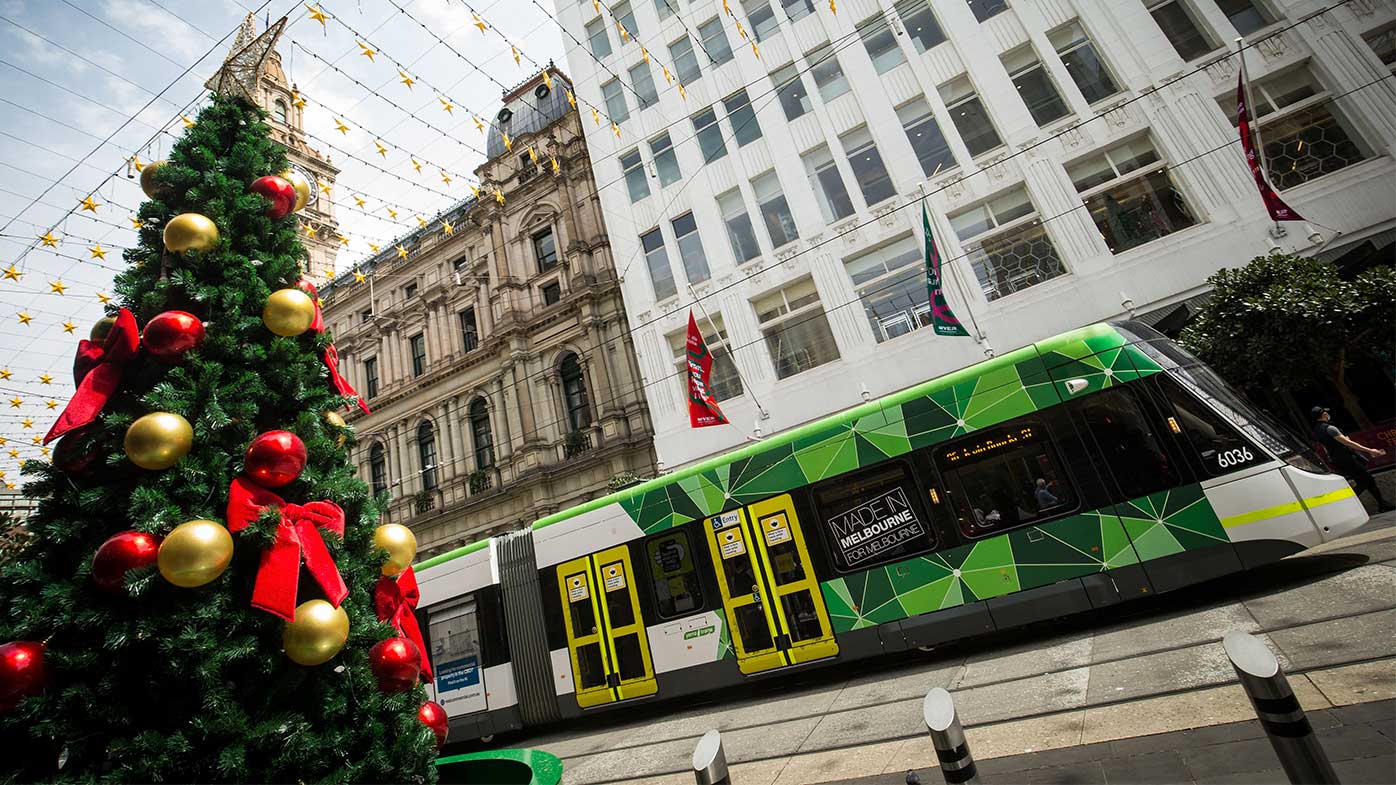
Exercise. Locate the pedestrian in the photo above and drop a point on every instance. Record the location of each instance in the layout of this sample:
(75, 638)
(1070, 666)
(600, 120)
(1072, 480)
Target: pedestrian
(1347, 456)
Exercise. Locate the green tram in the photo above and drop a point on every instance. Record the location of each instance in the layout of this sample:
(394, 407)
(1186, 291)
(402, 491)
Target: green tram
(1084, 470)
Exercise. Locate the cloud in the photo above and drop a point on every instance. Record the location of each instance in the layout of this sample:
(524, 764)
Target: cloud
(167, 32)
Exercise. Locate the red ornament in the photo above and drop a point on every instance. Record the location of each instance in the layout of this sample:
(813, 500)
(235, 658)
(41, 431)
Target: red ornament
(279, 192)
(76, 451)
(434, 716)
(396, 663)
(274, 458)
(172, 334)
(121, 552)
(22, 673)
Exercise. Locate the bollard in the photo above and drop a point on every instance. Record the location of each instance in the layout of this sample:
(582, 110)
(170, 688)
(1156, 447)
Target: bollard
(956, 764)
(709, 761)
(1279, 711)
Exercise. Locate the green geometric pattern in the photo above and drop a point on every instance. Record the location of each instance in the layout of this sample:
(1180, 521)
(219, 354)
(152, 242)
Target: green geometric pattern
(1172, 522)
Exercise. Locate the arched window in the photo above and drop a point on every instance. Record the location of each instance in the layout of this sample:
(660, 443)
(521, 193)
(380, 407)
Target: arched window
(480, 433)
(574, 393)
(378, 468)
(280, 112)
(426, 453)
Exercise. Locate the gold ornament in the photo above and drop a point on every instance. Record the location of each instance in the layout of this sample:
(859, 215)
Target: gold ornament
(148, 184)
(190, 232)
(401, 545)
(195, 553)
(336, 421)
(101, 328)
(317, 634)
(302, 186)
(158, 440)
(288, 312)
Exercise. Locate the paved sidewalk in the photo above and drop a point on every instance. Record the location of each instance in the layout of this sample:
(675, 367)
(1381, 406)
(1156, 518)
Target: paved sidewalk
(1360, 741)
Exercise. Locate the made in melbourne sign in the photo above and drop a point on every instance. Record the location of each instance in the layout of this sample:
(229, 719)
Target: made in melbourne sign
(875, 527)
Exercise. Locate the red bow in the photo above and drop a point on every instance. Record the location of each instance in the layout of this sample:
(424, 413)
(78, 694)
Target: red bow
(96, 372)
(395, 601)
(318, 325)
(331, 355)
(298, 536)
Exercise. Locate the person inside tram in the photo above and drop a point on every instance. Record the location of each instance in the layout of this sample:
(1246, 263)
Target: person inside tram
(1045, 498)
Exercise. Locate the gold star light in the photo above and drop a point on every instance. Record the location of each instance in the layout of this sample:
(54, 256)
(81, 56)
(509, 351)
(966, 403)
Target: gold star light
(56, 287)
(645, 55)
(12, 273)
(532, 156)
(624, 35)
(407, 80)
(475, 189)
(478, 21)
(421, 222)
(187, 122)
(556, 169)
(69, 327)
(317, 15)
(547, 80)
(445, 104)
(310, 231)
(296, 100)
(360, 277)
(445, 178)
(615, 128)
(5, 373)
(3, 442)
(668, 78)
(727, 9)
(416, 164)
(340, 126)
(683, 94)
(13, 454)
(479, 125)
(447, 227)
(136, 162)
(97, 251)
(104, 298)
(499, 196)
(373, 247)
(44, 450)
(11, 485)
(49, 240)
(137, 223)
(833, 9)
(51, 404)
(89, 204)
(342, 239)
(366, 52)
(325, 188)
(755, 50)
(15, 403)
(329, 273)
(392, 213)
(595, 116)
(508, 143)
(401, 252)
(516, 51)
(359, 200)
(571, 99)
(45, 379)
(25, 318)
(383, 151)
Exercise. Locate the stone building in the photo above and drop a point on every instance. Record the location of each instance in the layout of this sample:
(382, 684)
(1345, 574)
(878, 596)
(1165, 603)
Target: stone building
(493, 348)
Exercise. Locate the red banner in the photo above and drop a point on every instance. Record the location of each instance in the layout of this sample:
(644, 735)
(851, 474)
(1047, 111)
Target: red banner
(1274, 205)
(702, 407)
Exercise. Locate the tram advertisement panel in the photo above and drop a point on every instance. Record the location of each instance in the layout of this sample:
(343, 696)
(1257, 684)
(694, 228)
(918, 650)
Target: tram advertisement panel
(458, 687)
(875, 527)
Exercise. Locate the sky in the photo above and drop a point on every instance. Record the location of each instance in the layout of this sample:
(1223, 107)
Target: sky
(87, 84)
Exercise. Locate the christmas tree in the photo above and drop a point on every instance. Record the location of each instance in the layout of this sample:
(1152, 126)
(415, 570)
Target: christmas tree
(205, 594)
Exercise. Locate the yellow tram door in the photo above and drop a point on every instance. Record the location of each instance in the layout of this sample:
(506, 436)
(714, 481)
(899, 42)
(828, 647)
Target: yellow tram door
(769, 590)
(606, 638)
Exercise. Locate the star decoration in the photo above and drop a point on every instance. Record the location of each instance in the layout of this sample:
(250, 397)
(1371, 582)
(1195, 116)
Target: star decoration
(373, 247)
(329, 272)
(11, 485)
(478, 21)
(15, 403)
(595, 116)
(421, 222)
(296, 100)
(447, 227)
(475, 189)
(359, 200)
(683, 94)
(13, 454)
(645, 55)
(89, 204)
(343, 240)
(833, 9)
(741, 31)
(56, 287)
(69, 327)
(392, 213)
(416, 164)
(516, 51)
(571, 99)
(445, 104)
(49, 240)
(44, 450)
(51, 404)
(241, 72)
(668, 78)
(5, 373)
(556, 169)
(445, 178)
(532, 156)
(310, 231)
(104, 298)
(187, 122)
(97, 251)
(508, 143)
(755, 50)
(341, 127)
(325, 188)
(383, 151)
(615, 128)
(479, 125)
(596, 6)
(547, 80)
(25, 318)
(366, 52)
(360, 277)
(401, 252)
(137, 223)
(407, 80)
(45, 379)
(37, 439)
(317, 15)
(138, 163)
(499, 196)
(12, 273)
(727, 9)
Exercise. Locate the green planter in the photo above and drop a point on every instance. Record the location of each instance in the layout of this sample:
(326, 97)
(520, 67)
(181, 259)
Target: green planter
(500, 767)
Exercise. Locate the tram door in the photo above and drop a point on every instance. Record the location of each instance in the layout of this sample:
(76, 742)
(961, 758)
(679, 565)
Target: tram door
(769, 591)
(605, 632)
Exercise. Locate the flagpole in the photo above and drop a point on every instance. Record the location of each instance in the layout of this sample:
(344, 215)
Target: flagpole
(726, 346)
(1254, 112)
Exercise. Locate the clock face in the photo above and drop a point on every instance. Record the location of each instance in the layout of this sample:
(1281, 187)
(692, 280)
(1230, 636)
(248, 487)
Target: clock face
(314, 184)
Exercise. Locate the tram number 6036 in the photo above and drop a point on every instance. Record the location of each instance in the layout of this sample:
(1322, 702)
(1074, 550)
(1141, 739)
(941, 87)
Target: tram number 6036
(1237, 457)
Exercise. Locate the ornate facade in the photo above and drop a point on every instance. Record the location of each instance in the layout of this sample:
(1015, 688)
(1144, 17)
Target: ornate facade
(495, 354)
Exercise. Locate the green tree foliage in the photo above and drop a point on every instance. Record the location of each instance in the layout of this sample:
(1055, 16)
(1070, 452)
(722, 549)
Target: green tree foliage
(166, 684)
(1285, 322)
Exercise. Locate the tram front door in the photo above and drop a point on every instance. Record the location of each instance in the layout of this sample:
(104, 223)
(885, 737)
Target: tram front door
(605, 632)
(769, 591)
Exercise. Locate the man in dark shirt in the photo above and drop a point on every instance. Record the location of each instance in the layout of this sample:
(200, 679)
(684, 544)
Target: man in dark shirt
(1347, 456)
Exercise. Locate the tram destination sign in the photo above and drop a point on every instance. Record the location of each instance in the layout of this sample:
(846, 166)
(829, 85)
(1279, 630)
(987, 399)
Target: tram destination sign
(875, 527)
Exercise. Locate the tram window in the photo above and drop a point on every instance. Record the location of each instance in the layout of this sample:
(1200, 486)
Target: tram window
(1131, 448)
(579, 606)
(1218, 445)
(455, 637)
(620, 612)
(873, 517)
(1004, 477)
(494, 638)
(673, 575)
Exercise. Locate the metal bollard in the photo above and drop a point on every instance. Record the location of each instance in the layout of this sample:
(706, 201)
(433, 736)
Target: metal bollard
(1279, 711)
(709, 761)
(956, 763)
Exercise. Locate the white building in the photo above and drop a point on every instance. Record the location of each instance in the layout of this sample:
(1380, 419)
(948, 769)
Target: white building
(1079, 156)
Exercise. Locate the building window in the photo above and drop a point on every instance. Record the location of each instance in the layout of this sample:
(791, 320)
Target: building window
(545, 250)
(695, 262)
(742, 118)
(715, 41)
(685, 62)
(827, 184)
(1175, 19)
(797, 9)
(643, 83)
(790, 89)
(968, 114)
(614, 94)
(891, 283)
(666, 163)
(281, 111)
(866, 163)
(1303, 137)
(738, 223)
(1082, 61)
(371, 378)
(1003, 477)
(762, 18)
(552, 293)
(1130, 195)
(709, 135)
(635, 181)
(795, 329)
(470, 335)
(409, 291)
(574, 393)
(985, 10)
(826, 72)
(881, 43)
(664, 8)
(723, 382)
(366, 315)
(1383, 43)
(1247, 16)
(418, 347)
(1007, 245)
(426, 455)
(621, 13)
(1034, 85)
(378, 469)
(672, 561)
(922, 130)
(480, 434)
(920, 22)
(527, 169)
(600, 41)
(770, 200)
(657, 260)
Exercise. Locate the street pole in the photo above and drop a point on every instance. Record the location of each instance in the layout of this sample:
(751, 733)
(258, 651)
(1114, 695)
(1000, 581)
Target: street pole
(1279, 711)
(952, 750)
(709, 761)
